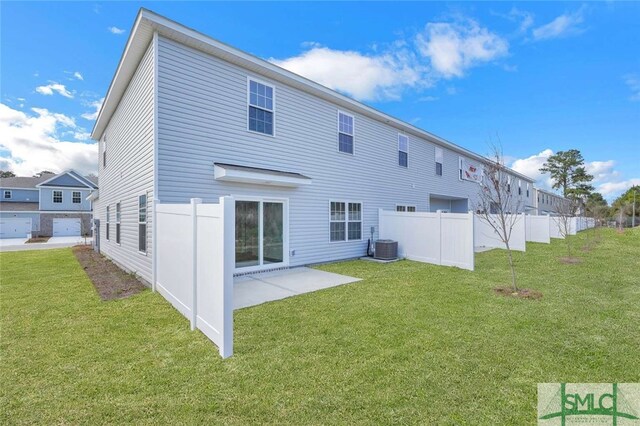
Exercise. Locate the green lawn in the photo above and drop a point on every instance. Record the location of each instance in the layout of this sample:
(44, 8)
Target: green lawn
(411, 343)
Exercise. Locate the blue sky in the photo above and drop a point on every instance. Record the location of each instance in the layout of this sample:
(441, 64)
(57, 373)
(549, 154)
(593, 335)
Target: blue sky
(541, 77)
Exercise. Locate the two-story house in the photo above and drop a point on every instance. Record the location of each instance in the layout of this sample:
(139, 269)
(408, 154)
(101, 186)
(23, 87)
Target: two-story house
(188, 116)
(50, 205)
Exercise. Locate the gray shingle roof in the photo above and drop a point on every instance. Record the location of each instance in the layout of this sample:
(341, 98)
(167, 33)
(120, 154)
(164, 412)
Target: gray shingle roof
(22, 182)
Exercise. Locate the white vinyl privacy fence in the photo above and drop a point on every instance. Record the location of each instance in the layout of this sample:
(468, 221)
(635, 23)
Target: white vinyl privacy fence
(538, 228)
(486, 236)
(195, 255)
(438, 238)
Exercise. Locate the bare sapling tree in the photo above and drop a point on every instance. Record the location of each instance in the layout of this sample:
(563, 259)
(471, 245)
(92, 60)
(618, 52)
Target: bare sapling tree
(498, 204)
(564, 211)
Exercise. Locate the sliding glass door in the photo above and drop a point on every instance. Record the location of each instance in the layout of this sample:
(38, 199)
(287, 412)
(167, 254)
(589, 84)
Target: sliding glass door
(260, 233)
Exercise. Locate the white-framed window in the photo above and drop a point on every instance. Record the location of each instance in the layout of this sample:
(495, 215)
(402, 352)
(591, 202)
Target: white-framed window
(405, 208)
(104, 150)
(76, 197)
(508, 183)
(118, 223)
(403, 150)
(7, 195)
(57, 197)
(519, 187)
(528, 189)
(261, 107)
(345, 221)
(346, 124)
(142, 223)
(439, 159)
(107, 222)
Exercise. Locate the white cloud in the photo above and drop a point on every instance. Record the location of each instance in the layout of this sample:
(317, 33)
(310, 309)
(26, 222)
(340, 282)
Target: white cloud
(633, 82)
(612, 190)
(530, 166)
(562, 26)
(360, 76)
(428, 99)
(455, 47)
(52, 88)
(441, 50)
(33, 143)
(78, 76)
(96, 105)
(601, 170)
(115, 30)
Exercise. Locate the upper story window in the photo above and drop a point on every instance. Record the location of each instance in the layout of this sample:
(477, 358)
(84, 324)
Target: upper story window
(345, 132)
(527, 189)
(76, 197)
(7, 195)
(403, 150)
(439, 160)
(261, 107)
(57, 197)
(519, 187)
(508, 183)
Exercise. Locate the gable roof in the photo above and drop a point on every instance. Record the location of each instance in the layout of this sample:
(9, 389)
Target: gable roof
(76, 180)
(147, 23)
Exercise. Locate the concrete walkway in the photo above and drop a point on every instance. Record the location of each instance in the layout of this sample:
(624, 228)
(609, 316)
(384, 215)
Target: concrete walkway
(255, 289)
(53, 243)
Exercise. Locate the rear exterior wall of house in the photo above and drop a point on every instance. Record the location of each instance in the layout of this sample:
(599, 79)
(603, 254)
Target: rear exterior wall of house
(202, 119)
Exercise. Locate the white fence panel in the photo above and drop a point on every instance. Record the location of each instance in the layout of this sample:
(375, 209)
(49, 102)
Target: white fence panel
(538, 229)
(555, 227)
(215, 254)
(175, 254)
(457, 247)
(438, 238)
(195, 254)
(486, 236)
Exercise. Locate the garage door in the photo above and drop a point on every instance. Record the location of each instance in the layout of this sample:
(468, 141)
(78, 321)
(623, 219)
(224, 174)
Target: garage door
(15, 227)
(66, 227)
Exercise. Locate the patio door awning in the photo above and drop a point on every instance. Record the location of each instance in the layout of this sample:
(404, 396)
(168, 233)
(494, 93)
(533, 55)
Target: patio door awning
(244, 174)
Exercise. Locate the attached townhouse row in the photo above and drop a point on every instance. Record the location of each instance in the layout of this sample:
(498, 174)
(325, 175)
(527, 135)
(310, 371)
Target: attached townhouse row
(49, 205)
(187, 116)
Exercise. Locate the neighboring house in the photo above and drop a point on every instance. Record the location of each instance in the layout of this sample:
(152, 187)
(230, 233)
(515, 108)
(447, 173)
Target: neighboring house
(187, 116)
(50, 205)
(548, 202)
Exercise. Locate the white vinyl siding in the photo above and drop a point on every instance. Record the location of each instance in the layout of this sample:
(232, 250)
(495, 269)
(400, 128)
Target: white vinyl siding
(129, 138)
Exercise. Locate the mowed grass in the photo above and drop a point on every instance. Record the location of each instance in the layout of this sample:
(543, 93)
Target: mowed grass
(410, 343)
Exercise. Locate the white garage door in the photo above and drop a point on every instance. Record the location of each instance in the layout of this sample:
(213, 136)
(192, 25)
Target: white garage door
(15, 227)
(66, 227)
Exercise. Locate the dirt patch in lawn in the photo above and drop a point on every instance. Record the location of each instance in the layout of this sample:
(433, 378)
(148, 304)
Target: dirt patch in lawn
(567, 260)
(38, 240)
(110, 281)
(523, 293)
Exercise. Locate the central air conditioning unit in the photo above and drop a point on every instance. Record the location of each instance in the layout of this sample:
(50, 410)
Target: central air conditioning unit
(386, 250)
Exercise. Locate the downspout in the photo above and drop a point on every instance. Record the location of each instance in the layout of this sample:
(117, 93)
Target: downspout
(156, 199)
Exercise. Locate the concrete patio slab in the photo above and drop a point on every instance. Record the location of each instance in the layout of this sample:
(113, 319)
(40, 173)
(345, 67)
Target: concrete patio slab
(255, 289)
